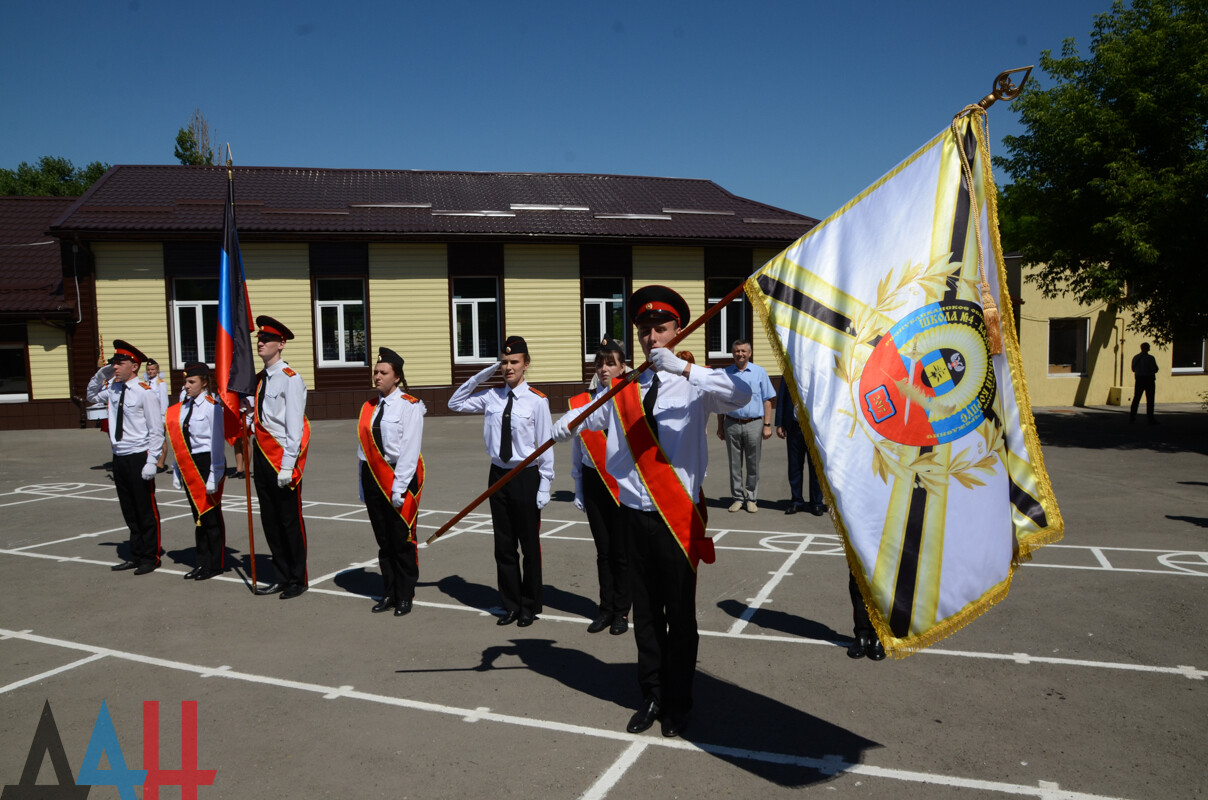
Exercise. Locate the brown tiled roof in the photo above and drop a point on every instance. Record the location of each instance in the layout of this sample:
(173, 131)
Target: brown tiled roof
(31, 272)
(169, 201)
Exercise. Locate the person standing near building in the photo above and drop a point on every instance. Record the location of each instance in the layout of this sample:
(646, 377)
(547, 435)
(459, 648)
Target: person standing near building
(1145, 372)
(658, 453)
(195, 430)
(136, 432)
(155, 378)
(745, 428)
(789, 429)
(390, 431)
(282, 440)
(516, 421)
(596, 495)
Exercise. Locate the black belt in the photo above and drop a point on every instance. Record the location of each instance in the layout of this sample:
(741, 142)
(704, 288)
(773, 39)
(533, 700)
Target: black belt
(742, 419)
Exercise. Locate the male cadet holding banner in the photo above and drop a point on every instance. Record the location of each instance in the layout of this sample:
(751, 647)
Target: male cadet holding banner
(282, 439)
(136, 431)
(195, 429)
(657, 451)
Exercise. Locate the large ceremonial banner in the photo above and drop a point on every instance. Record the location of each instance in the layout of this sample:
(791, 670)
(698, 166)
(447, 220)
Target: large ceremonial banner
(926, 444)
(233, 366)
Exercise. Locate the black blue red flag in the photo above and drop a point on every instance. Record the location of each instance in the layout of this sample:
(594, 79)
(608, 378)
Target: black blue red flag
(233, 365)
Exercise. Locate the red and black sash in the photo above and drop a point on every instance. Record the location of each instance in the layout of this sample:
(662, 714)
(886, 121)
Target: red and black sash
(383, 473)
(596, 445)
(670, 496)
(194, 482)
(274, 451)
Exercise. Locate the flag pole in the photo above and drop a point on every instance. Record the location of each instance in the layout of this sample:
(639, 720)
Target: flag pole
(629, 378)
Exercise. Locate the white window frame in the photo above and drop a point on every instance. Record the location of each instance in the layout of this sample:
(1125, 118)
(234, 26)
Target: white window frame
(598, 307)
(178, 361)
(1086, 339)
(341, 329)
(17, 397)
(1190, 370)
(721, 319)
(473, 303)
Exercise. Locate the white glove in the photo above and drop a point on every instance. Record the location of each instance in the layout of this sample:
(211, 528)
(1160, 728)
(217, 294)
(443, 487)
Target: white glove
(542, 500)
(579, 492)
(211, 485)
(106, 372)
(396, 500)
(487, 372)
(562, 431)
(664, 360)
(149, 471)
(579, 502)
(285, 478)
(175, 479)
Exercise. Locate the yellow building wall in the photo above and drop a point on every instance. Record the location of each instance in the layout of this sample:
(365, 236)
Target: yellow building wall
(48, 369)
(683, 270)
(759, 338)
(1110, 350)
(278, 284)
(541, 301)
(409, 309)
(131, 297)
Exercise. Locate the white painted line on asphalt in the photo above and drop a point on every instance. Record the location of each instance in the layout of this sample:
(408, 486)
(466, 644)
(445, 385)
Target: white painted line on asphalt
(552, 531)
(828, 765)
(1102, 559)
(93, 534)
(50, 672)
(599, 790)
(361, 565)
(766, 592)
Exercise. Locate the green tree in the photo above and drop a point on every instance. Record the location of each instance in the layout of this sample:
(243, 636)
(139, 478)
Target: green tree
(193, 143)
(1110, 183)
(51, 176)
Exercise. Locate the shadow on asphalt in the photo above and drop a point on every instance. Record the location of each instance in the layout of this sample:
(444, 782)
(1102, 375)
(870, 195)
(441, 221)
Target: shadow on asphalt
(1109, 429)
(360, 581)
(790, 624)
(1200, 521)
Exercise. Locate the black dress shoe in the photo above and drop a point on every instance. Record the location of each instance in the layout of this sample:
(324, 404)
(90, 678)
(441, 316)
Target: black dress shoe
(143, 569)
(272, 588)
(206, 574)
(818, 509)
(792, 509)
(292, 592)
(673, 724)
(876, 651)
(525, 619)
(620, 625)
(601, 622)
(644, 717)
(122, 567)
(192, 574)
(403, 608)
(385, 604)
(858, 647)
(508, 618)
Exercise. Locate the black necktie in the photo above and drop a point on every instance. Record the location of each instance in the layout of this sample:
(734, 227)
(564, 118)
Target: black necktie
(260, 397)
(121, 407)
(377, 427)
(184, 426)
(652, 394)
(505, 435)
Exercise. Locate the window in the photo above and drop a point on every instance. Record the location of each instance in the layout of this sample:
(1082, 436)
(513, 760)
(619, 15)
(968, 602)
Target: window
(1187, 354)
(14, 383)
(1067, 346)
(731, 322)
(475, 320)
(340, 321)
(603, 313)
(195, 312)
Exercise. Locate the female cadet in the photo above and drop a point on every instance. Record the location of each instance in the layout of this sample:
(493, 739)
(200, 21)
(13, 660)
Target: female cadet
(596, 494)
(517, 421)
(194, 426)
(389, 433)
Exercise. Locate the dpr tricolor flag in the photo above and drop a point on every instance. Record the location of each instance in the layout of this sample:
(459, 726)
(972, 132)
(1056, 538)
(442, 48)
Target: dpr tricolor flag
(233, 365)
(927, 446)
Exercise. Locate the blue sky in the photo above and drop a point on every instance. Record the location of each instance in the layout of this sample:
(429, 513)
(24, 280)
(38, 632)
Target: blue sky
(795, 104)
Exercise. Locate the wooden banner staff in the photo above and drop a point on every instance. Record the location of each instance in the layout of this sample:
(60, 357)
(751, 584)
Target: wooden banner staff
(629, 378)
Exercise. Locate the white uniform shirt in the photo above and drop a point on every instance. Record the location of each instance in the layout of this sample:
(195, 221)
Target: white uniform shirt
(206, 431)
(682, 412)
(142, 415)
(284, 410)
(161, 388)
(402, 436)
(531, 422)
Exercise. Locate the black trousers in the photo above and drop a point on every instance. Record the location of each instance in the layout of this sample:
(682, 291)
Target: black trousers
(210, 530)
(137, 500)
(398, 557)
(799, 458)
(281, 518)
(663, 585)
(1144, 385)
(861, 624)
(517, 521)
(612, 565)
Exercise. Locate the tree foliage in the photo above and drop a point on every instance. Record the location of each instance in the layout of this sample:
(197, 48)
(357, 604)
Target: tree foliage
(1110, 182)
(51, 176)
(194, 144)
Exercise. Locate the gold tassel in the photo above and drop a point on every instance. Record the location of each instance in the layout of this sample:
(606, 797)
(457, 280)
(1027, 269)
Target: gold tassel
(993, 326)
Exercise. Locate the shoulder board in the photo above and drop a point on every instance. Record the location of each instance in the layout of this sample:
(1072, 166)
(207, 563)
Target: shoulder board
(288, 371)
(210, 397)
(409, 398)
(144, 385)
(536, 392)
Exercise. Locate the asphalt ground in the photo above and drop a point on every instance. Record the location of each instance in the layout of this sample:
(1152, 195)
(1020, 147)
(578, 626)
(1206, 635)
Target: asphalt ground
(1087, 681)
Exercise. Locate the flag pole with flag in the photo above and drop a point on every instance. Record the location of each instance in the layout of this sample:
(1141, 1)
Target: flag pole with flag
(233, 366)
(924, 440)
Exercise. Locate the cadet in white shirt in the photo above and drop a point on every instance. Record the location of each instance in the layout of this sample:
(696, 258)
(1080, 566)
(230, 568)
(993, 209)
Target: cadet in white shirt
(516, 421)
(136, 431)
(155, 378)
(391, 478)
(195, 428)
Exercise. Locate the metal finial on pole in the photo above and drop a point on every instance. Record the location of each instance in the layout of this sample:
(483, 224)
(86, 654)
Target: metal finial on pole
(230, 172)
(1004, 89)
